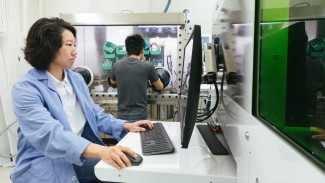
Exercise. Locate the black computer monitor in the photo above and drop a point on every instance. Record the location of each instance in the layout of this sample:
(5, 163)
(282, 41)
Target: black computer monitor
(190, 84)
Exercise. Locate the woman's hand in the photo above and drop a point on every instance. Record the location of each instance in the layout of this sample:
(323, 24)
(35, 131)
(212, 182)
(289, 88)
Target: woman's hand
(138, 126)
(113, 155)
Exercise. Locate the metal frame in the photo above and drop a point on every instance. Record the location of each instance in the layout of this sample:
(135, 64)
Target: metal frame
(297, 13)
(125, 18)
(119, 19)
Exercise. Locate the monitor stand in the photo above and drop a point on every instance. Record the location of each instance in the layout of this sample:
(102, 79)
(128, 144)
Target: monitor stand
(214, 144)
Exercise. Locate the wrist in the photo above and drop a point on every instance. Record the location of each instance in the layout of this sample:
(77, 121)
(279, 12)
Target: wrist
(93, 151)
(126, 126)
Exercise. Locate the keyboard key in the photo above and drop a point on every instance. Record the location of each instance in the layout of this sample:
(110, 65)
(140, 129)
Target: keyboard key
(156, 141)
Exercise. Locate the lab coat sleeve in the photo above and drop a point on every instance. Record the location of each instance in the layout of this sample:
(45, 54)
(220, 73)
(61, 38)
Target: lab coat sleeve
(42, 131)
(108, 124)
(105, 123)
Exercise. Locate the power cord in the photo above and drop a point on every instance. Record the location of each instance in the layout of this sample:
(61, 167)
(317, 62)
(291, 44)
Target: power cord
(210, 78)
(167, 6)
(2, 132)
(306, 3)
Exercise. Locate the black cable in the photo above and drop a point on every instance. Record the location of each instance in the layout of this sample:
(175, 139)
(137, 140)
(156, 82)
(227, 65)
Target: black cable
(2, 132)
(7, 128)
(222, 80)
(175, 115)
(306, 3)
(209, 113)
(215, 105)
(231, 114)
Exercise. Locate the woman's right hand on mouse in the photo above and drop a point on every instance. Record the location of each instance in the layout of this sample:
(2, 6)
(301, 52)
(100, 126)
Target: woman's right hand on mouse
(113, 155)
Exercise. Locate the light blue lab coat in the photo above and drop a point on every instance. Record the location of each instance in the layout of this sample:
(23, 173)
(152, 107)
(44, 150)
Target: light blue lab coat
(47, 147)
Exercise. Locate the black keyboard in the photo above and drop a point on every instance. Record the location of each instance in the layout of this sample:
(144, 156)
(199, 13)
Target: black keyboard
(156, 141)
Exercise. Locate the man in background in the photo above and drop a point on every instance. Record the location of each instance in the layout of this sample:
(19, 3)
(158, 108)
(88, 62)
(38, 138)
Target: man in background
(131, 76)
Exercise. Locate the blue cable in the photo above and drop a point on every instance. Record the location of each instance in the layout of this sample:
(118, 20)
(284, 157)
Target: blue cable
(167, 6)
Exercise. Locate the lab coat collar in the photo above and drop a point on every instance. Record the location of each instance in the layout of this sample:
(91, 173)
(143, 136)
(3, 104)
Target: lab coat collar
(58, 83)
(42, 77)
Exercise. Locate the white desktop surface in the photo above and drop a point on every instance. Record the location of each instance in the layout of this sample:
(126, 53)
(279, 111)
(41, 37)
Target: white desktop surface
(193, 165)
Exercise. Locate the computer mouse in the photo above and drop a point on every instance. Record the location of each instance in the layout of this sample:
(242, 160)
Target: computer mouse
(134, 161)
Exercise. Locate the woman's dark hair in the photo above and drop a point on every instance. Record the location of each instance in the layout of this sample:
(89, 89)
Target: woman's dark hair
(134, 44)
(43, 41)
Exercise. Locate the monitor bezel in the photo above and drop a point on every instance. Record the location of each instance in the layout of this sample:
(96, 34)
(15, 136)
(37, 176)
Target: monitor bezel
(188, 123)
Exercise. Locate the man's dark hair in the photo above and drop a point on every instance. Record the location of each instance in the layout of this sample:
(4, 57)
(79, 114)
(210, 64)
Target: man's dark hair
(134, 44)
(43, 41)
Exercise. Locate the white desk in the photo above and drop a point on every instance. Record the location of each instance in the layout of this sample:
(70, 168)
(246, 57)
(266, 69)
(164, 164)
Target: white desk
(193, 165)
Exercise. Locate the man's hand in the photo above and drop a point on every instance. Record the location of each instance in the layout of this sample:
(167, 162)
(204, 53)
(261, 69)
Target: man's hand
(137, 126)
(111, 83)
(320, 131)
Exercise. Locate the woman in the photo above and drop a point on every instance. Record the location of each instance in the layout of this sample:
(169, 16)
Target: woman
(59, 124)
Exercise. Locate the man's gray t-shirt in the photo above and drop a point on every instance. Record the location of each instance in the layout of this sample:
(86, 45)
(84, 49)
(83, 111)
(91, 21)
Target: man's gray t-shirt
(131, 76)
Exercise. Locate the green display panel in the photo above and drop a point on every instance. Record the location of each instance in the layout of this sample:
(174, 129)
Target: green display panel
(291, 83)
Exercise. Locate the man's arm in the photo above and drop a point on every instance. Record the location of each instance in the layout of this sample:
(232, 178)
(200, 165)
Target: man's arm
(158, 85)
(112, 82)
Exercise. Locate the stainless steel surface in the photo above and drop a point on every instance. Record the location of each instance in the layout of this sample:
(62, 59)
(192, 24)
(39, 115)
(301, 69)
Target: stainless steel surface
(285, 14)
(161, 106)
(111, 98)
(125, 18)
(161, 112)
(298, 13)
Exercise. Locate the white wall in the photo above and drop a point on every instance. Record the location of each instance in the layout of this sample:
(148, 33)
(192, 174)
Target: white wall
(10, 44)
(201, 12)
(4, 140)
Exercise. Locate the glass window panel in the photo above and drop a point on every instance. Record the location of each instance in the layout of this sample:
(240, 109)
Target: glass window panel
(292, 73)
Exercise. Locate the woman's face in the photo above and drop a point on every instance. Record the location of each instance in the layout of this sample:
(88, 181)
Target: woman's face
(66, 55)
